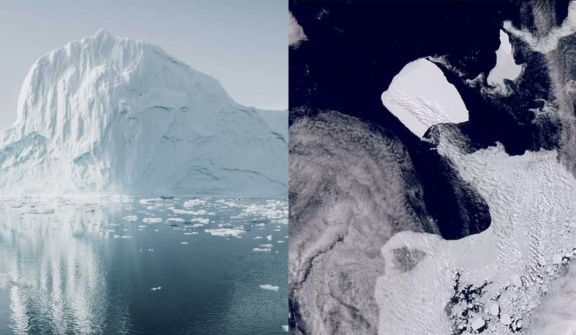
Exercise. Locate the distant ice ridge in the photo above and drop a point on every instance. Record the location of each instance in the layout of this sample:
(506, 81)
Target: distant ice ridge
(109, 114)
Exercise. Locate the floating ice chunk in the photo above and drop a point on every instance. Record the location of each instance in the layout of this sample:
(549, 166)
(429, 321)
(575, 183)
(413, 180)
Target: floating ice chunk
(269, 287)
(130, 218)
(295, 32)
(494, 309)
(142, 226)
(262, 249)
(194, 202)
(478, 323)
(420, 96)
(156, 288)
(285, 328)
(183, 211)
(557, 259)
(126, 236)
(175, 220)
(266, 245)
(269, 237)
(148, 201)
(279, 241)
(152, 220)
(260, 225)
(150, 249)
(505, 319)
(506, 67)
(197, 225)
(257, 237)
(201, 220)
(276, 229)
(184, 242)
(224, 232)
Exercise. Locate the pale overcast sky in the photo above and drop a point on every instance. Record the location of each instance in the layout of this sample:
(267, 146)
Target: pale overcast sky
(242, 43)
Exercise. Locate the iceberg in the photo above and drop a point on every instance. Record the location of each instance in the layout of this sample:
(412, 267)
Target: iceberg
(108, 114)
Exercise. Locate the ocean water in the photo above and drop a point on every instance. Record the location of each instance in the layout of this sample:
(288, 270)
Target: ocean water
(124, 265)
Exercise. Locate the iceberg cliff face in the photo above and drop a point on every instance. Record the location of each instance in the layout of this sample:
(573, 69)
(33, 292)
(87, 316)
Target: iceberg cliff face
(108, 114)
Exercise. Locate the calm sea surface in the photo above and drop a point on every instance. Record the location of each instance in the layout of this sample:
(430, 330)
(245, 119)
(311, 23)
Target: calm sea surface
(124, 265)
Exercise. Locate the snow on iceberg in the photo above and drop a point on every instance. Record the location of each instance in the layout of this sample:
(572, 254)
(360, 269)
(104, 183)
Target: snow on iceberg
(110, 114)
(420, 97)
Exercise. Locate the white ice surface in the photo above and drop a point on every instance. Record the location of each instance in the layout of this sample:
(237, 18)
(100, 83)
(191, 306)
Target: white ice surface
(506, 67)
(110, 114)
(295, 32)
(224, 232)
(549, 41)
(531, 199)
(420, 97)
(269, 287)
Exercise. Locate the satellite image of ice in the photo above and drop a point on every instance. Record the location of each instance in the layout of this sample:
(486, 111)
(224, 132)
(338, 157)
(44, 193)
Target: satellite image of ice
(432, 168)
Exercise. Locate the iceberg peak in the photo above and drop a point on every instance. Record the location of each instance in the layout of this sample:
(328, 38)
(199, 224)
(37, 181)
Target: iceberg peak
(102, 33)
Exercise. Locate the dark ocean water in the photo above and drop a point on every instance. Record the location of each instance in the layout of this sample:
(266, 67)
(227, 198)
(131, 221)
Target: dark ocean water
(80, 268)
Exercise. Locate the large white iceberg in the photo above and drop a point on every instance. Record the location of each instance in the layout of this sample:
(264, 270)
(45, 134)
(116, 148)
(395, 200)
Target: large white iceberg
(420, 96)
(110, 114)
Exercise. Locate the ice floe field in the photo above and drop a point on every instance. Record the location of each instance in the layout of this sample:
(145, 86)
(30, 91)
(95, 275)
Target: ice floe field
(97, 264)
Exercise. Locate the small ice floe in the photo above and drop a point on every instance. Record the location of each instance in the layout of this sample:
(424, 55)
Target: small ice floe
(257, 237)
(557, 259)
(276, 229)
(184, 242)
(494, 309)
(187, 233)
(152, 220)
(142, 226)
(150, 249)
(194, 202)
(116, 236)
(260, 225)
(126, 236)
(201, 220)
(261, 249)
(269, 237)
(266, 245)
(183, 211)
(478, 323)
(175, 220)
(197, 225)
(280, 241)
(224, 232)
(130, 218)
(505, 319)
(156, 288)
(147, 201)
(269, 287)
(285, 328)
